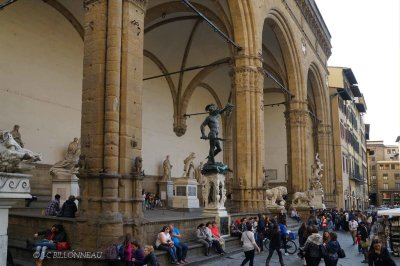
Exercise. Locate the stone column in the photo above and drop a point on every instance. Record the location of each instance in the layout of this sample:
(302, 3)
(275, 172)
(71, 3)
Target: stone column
(296, 123)
(111, 118)
(325, 149)
(13, 188)
(248, 133)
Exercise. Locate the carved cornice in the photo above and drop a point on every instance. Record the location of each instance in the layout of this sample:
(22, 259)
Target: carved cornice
(87, 3)
(316, 23)
(139, 3)
(14, 184)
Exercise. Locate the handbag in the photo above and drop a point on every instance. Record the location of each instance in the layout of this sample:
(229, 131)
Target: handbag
(62, 246)
(365, 244)
(341, 254)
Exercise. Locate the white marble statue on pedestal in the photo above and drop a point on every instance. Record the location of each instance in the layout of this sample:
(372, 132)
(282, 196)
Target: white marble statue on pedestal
(167, 166)
(314, 197)
(64, 179)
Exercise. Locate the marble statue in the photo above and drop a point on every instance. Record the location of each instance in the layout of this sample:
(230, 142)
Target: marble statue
(70, 163)
(137, 166)
(212, 121)
(316, 174)
(275, 194)
(198, 174)
(302, 199)
(12, 156)
(167, 169)
(17, 136)
(188, 165)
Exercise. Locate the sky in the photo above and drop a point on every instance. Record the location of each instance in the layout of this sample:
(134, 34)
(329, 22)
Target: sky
(366, 38)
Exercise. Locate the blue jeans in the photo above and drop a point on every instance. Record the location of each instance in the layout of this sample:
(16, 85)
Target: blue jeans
(45, 243)
(181, 250)
(171, 251)
(41, 248)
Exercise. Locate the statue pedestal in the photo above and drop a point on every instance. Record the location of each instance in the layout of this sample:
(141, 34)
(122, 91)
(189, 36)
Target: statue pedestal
(276, 209)
(318, 200)
(65, 184)
(185, 194)
(166, 190)
(13, 188)
(304, 212)
(214, 196)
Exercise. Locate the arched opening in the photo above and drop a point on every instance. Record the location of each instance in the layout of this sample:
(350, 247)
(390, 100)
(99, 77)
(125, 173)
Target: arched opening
(186, 42)
(281, 62)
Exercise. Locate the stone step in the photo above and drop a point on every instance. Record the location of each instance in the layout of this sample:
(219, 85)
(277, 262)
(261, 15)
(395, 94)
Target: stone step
(196, 252)
(24, 257)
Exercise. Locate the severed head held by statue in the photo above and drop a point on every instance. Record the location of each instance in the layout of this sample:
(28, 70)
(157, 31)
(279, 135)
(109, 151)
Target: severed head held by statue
(212, 122)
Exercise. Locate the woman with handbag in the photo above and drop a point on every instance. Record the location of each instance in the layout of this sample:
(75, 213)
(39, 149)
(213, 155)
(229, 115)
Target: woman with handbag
(249, 244)
(51, 238)
(164, 242)
(332, 249)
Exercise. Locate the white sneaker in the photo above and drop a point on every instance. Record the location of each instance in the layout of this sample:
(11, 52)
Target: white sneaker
(286, 254)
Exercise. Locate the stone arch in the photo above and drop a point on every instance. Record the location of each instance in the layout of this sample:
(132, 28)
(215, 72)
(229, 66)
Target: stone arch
(315, 76)
(280, 26)
(68, 15)
(163, 70)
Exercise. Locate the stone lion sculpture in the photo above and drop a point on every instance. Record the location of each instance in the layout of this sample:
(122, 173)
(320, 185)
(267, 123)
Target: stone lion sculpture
(12, 155)
(302, 198)
(275, 194)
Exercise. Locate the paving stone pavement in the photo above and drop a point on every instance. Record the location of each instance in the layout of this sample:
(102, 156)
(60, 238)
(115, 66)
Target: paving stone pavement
(352, 256)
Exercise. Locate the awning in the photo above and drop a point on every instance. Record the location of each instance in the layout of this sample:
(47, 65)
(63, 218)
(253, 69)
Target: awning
(350, 76)
(356, 91)
(344, 94)
(393, 212)
(361, 107)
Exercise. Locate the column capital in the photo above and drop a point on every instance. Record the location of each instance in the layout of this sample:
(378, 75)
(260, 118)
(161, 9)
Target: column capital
(296, 117)
(324, 129)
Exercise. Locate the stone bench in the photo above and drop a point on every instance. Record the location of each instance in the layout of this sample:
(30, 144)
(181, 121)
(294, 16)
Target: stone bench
(196, 252)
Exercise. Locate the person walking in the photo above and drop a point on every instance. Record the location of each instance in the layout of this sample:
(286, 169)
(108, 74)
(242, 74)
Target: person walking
(249, 245)
(353, 225)
(365, 243)
(260, 232)
(275, 245)
(312, 248)
(332, 249)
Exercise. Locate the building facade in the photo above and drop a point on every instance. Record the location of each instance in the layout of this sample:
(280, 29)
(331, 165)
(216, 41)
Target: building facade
(126, 75)
(348, 106)
(384, 174)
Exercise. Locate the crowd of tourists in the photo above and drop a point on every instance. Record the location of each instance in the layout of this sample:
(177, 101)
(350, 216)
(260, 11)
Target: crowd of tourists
(368, 232)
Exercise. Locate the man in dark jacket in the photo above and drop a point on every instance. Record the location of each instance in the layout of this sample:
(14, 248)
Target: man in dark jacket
(363, 231)
(69, 208)
(260, 231)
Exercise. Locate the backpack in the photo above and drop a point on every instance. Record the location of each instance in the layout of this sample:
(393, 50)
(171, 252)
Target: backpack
(113, 252)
